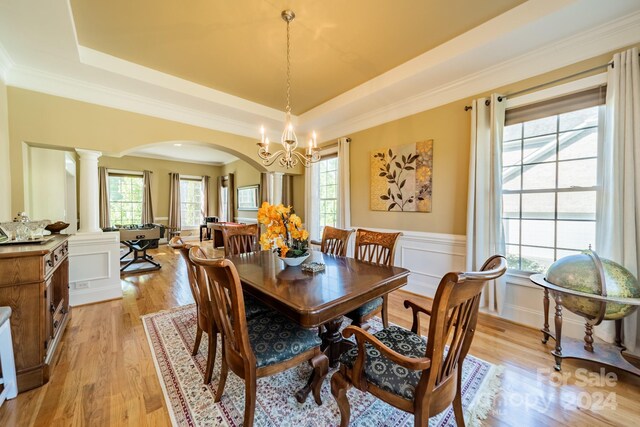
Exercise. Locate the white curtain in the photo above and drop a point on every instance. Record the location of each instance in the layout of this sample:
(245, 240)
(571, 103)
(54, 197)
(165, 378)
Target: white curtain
(618, 224)
(344, 195)
(311, 208)
(485, 236)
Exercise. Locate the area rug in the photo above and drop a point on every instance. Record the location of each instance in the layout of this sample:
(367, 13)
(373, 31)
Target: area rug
(171, 335)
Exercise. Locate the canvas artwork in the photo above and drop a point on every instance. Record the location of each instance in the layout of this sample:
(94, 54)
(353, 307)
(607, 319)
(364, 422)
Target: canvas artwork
(401, 178)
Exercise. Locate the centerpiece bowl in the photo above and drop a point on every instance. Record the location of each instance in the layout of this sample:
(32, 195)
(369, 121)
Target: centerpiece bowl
(294, 262)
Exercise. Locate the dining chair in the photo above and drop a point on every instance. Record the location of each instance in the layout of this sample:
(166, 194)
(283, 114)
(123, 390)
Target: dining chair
(240, 239)
(377, 248)
(403, 369)
(335, 241)
(205, 318)
(261, 346)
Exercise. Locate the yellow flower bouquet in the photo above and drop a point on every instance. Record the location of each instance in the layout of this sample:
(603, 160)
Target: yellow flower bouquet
(284, 234)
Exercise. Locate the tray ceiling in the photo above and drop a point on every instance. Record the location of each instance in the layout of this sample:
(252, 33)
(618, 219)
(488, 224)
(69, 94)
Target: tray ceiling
(238, 47)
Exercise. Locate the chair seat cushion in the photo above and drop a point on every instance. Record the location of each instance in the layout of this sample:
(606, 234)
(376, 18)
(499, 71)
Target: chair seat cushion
(274, 338)
(253, 306)
(365, 309)
(384, 373)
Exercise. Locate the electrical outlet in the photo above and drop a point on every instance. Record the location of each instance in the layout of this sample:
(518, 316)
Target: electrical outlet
(82, 285)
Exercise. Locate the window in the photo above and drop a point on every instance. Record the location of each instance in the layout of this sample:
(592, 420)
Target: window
(550, 185)
(125, 199)
(328, 193)
(190, 203)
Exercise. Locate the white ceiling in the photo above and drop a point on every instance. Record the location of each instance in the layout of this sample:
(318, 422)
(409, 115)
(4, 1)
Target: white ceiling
(39, 51)
(185, 151)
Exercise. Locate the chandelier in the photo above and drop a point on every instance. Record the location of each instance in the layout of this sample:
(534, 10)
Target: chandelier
(288, 156)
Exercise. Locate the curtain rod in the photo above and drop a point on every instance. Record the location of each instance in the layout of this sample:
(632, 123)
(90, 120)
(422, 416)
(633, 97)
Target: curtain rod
(529, 89)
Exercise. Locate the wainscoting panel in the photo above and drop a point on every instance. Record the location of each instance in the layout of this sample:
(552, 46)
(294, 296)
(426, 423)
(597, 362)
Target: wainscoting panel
(429, 256)
(94, 268)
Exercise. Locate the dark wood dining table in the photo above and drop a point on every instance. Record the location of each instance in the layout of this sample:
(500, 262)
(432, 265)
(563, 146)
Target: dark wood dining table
(317, 299)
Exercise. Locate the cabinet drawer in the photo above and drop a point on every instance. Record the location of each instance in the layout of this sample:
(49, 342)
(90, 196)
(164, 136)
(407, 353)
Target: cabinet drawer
(59, 253)
(48, 263)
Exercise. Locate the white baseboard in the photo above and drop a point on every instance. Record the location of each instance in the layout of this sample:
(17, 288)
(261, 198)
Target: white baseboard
(90, 296)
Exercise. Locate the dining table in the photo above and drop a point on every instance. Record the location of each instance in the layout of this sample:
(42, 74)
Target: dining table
(317, 299)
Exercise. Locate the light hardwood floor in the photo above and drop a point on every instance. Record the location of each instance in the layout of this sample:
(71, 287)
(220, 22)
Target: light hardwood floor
(105, 374)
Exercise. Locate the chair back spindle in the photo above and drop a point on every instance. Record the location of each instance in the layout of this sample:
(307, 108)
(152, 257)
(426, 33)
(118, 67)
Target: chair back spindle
(376, 247)
(335, 241)
(454, 319)
(241, 239)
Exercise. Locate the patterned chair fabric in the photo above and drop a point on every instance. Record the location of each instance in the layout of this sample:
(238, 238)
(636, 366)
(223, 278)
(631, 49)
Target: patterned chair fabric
(274, 338)
(383, 372)
(367, 308)
(253, 307)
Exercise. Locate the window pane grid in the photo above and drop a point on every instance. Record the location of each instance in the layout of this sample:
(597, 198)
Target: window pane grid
(328, 193)
(190, 203)
(571, 218)
(125, 199)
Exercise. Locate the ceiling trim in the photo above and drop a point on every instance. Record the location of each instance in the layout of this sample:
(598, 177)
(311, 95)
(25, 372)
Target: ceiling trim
(588, 44)
(174, 159)
(54, 84)
(148, 75)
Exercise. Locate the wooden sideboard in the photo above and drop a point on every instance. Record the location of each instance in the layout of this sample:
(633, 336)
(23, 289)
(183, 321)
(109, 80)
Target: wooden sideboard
(34, 282)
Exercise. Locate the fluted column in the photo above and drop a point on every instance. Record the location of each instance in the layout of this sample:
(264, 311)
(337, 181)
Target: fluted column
(89, 202)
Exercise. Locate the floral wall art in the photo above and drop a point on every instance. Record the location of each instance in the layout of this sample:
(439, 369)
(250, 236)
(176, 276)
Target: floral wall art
(401, 178)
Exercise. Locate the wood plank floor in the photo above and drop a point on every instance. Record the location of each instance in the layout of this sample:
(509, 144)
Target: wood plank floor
(105, 374)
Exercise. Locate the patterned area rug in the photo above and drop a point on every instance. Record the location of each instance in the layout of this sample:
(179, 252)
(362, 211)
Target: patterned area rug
(171, 335)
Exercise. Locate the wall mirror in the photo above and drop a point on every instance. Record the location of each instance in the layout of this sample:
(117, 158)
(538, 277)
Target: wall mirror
(249, 198)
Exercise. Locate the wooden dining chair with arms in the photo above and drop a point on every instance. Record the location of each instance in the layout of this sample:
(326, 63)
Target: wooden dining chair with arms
(414, 375)
(335, 241)
(240, 239)
(261, 346)
(377, 248)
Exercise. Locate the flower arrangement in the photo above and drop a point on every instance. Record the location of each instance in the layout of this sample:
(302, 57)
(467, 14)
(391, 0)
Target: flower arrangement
(284, 234)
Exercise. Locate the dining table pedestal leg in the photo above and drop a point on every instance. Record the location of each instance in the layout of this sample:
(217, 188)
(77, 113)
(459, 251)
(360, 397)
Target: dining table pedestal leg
(333, 343)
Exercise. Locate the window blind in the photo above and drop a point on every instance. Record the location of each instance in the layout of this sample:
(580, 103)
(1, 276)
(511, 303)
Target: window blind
(563, 104)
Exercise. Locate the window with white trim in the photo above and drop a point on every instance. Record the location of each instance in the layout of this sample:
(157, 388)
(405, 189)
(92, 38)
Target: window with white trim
(550, 183)
(190, 203)
(324, 195)
(125, 199)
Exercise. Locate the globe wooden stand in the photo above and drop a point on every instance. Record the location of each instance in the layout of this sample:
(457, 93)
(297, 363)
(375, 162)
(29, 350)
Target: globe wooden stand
(570, 348)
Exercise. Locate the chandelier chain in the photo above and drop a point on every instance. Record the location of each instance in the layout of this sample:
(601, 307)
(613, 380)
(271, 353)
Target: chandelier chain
(288, 109)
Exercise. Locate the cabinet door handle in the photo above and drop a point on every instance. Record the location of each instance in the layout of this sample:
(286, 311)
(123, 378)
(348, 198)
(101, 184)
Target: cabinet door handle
(50, 263)
(56, 257)
(55, 324)
(52, 308)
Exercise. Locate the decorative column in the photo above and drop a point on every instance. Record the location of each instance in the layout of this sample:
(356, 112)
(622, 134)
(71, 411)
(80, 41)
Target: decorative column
(89, 202)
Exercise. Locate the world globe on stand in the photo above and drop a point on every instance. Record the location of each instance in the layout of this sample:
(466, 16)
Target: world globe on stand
(581, 272)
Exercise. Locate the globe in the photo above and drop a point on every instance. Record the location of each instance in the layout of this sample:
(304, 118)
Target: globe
(581, 272)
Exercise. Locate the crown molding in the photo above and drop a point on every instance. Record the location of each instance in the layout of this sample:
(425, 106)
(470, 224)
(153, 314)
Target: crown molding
(132, 70)
(176, 159)
(66, 87)
(6, 64)
(585, 45)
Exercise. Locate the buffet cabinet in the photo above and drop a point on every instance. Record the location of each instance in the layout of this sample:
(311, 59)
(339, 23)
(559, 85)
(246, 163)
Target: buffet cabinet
(34, 282)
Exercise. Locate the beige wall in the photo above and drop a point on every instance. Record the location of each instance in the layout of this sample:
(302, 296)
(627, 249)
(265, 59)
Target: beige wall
(450, 128)
(160, 179)
(51, 121)
(5, 171)
(244, 174)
